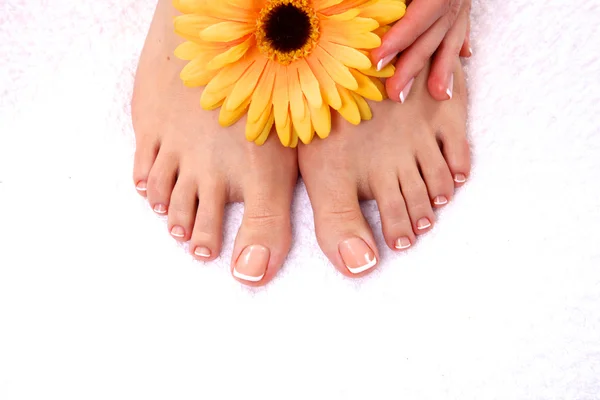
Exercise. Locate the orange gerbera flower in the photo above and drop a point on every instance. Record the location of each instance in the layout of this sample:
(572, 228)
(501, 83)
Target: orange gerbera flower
(285, 62)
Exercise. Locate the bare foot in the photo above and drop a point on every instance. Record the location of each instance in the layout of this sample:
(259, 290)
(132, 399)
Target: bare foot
(189, 167)
(409, 158)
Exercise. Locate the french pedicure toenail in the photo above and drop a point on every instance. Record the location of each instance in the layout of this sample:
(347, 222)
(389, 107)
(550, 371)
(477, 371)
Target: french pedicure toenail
(402, 243)
(202, 251)
(385, 61)
(177, 231)
(160, 209)
(141, 186)
(440, 200)
(251, 265)
(404, 93)
(450, 87)
(460, 178)
(423, 223)
(357, 256)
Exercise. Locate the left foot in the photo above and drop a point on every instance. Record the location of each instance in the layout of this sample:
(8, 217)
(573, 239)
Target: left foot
(409, 158)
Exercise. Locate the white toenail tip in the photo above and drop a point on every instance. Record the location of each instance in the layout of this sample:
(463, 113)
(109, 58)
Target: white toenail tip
(248, 278)
(364, 268)
(423, 227)
(460, 180)
(201, 254)
(140, 189)
(177, 235)
(403, 247)
(160, 212)
(440, 203)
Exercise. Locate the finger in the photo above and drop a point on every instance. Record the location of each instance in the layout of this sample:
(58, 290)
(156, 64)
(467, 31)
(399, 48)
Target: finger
(466, 50)
(420, 16)
(413, 60)
(440, 77)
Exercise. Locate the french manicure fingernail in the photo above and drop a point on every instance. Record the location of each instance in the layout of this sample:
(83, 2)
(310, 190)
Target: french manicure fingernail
(202, 251)
(450, 87)
(440, 200)
(402, 243)
(404, 93)
(357, 256)
(177, 231)
(423, 223)
(251, 265)
(385, 61)
(460, 178)
(160, 209)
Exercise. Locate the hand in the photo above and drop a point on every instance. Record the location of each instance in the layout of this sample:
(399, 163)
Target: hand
(429, 26)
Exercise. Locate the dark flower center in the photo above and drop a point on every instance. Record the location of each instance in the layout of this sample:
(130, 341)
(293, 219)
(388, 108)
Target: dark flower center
(287, 28)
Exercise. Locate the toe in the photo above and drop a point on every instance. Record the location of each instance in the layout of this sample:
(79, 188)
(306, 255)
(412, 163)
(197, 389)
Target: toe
(416, 196)
(264, 238)
(207, 235)
(457, 154)
(436, 174)
(145, 154)
(342, 231)
(161, 181)
(182, 208)
(395, 221)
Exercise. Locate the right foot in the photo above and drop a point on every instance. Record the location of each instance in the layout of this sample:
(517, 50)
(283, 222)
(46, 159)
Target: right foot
(189, 167)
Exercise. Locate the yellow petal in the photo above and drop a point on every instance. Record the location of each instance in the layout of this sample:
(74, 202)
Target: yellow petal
(343, 6)
(349, 109)
(302, 125)
(209, 100)
(384, 11)
(245, 86)
(230, 74)
(346, 55)
(295, 93)
(366, 87)
(230, 117)
(255, 128)
(365, 40)
(262, 138)
(294, 142)
(338, 72)
(230, 56)
(355, 25)
(263, 95)
(285, 132)
(187, 6)
(328, 88)
(226, 31)
(192, 24)
(280, 97)
(200, 79)
(323, 4)
(321, 120)
(386, 72)
(363, 107)
(188, 51)
(345, 16)
(309, 84)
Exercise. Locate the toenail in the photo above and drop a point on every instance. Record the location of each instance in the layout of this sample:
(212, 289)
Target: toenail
(423, 223)
(440, 200)
(460, 178)
(450, 86)
(402, 243)
(404, 93)
(202, 251)
(160, 209)
(141, 186)
(357, 256)
(252, 263)
(178, 232)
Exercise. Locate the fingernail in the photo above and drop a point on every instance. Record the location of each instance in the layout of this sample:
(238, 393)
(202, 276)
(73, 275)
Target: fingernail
(357, 256)
(141, 186)
(160, 209)
(440, 200)
(202, 251)
(450, 87)
(404, 93)
(460, 178)
(385, 61)
(252, 263)
(402, 243)
(178, 232)
(423, 223)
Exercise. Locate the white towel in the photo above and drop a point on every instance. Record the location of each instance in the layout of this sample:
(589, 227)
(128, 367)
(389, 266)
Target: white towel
(500, 301)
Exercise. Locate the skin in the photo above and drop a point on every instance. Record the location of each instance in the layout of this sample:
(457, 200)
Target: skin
(188, 167)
